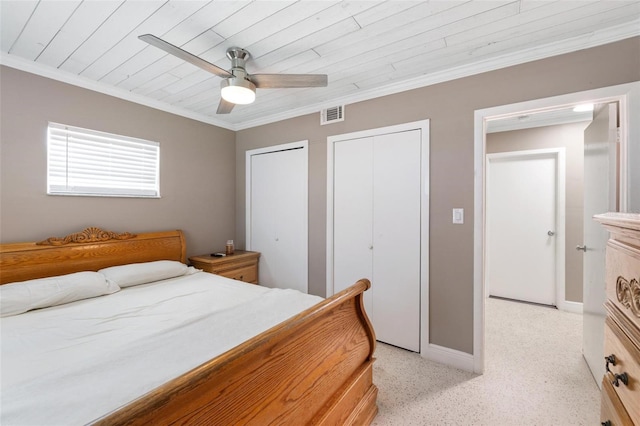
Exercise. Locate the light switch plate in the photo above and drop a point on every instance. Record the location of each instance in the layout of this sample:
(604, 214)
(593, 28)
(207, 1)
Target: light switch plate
(458, 216)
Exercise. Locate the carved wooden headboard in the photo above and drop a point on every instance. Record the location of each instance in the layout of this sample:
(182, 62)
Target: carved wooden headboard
(89, 250)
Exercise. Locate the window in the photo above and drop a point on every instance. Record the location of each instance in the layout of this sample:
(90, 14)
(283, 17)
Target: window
(90, 163)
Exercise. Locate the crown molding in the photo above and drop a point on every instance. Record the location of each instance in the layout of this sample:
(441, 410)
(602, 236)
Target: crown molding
(80, 81)
(585, 41)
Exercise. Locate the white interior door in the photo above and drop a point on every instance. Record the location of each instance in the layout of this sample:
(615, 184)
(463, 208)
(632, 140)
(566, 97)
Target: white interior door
(377, 229)
(600, 195)
(396, 239)
(353, 218)
(521, 226)
(277, 206)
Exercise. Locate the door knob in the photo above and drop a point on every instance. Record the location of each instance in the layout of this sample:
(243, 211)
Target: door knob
(551, 233)
(583, 248)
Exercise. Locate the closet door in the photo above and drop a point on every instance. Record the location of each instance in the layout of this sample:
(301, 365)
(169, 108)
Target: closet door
(396, 239)
(376, 230)
(278, 217)
(353, 215)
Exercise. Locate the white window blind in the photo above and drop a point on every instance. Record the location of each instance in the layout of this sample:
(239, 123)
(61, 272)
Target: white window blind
(91, 163)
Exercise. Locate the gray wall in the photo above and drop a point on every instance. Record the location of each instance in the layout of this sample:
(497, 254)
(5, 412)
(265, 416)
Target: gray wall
(570, 137)
(450, 106)
(197, 167)
(199, 194)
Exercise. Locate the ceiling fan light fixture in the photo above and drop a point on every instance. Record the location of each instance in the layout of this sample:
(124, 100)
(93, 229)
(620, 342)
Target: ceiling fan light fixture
(238, 91)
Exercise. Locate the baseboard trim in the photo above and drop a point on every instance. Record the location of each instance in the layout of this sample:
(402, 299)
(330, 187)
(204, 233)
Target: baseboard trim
(568, 306)
(450, 357)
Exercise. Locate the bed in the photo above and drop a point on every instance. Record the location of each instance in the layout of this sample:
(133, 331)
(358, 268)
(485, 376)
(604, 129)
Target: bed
(313, 368)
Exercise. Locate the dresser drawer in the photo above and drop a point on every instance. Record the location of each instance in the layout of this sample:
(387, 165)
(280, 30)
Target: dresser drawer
(623, 279)
(611, 409)
(627, 361)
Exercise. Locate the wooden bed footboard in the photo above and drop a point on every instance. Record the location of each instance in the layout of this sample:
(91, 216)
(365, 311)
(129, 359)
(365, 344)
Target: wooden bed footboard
(315, 368)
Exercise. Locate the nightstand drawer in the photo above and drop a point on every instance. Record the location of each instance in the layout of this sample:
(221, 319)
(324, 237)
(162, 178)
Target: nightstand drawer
(242, 265)
(248, 274)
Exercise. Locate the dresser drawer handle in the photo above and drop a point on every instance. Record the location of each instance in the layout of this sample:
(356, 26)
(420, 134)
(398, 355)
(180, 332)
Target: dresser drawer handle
(611, 359)
(620, 377)
(606, 423)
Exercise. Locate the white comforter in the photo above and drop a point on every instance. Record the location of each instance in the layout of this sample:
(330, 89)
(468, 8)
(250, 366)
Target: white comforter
(70, 364)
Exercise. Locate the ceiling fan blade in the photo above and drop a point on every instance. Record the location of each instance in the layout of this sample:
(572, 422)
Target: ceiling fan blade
(278, 81)
(184, 55)
(224, 107)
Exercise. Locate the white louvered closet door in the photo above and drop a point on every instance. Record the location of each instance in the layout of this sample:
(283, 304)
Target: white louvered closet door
(377, 230)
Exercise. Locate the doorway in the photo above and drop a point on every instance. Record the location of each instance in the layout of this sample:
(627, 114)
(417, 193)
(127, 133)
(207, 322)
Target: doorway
(627, 96)
(277, 213)
(527, 272)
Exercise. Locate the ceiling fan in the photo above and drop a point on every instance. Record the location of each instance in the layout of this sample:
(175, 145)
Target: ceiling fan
(238, 86)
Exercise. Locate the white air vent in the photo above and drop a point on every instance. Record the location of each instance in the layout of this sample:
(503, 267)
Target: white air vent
(332, 115)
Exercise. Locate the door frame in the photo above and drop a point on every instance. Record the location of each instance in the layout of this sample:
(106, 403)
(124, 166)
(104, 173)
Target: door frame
(423, 126)
(560, 156)
(628, 97)
(304, 145)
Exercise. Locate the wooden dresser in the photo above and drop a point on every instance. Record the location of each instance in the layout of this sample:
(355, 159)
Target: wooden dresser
(621, 383)
(242, 265)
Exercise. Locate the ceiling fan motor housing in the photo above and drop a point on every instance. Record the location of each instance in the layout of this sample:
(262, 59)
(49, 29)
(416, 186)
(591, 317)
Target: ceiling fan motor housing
(238, 57)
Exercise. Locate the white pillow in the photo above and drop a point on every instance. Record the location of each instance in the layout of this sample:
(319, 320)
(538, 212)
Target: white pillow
(142, 273)
(19, 297)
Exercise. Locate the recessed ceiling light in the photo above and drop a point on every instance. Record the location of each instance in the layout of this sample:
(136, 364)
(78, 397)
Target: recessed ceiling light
(583, 108)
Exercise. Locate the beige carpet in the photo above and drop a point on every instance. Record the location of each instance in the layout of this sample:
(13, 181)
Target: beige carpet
(534, 375)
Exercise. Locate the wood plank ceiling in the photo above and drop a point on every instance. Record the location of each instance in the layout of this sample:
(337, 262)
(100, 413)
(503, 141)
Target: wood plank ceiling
(367, 48)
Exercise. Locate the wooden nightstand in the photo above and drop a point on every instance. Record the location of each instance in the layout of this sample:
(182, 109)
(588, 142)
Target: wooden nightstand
(242, 265)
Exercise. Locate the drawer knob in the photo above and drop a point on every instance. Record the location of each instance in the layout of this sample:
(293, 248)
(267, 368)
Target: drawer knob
(606, 423)
(620, 378)
(611, 359)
